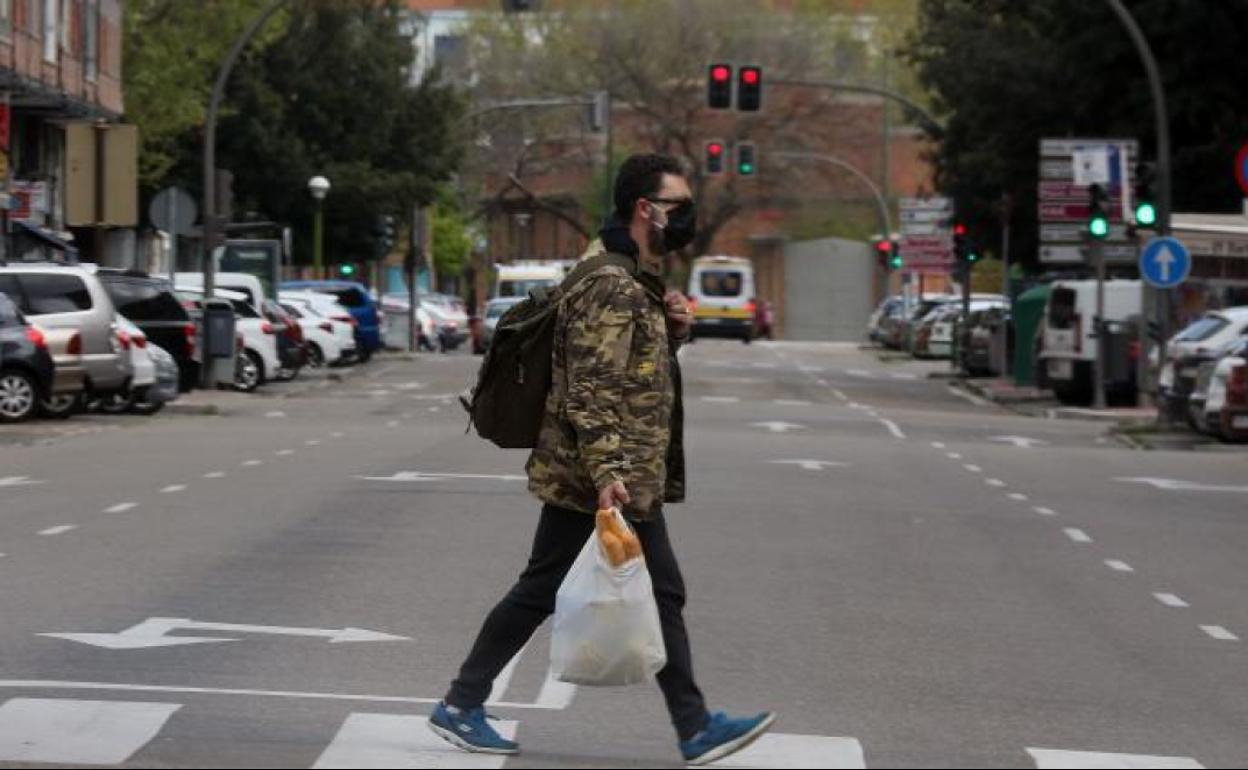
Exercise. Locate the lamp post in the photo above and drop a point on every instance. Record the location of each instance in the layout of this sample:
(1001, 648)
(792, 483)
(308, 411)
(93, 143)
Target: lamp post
(319, 187)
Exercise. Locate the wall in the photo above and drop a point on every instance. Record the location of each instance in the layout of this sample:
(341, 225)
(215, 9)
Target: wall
(827, 289)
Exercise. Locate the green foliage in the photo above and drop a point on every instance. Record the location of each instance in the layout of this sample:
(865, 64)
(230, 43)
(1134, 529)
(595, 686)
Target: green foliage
(452, 240)
(172, 49)
(334, 96)
(1010, 73)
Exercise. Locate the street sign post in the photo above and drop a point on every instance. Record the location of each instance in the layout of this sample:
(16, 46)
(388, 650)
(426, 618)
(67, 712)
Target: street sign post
(1165, 262)
(174, 211)
(1068, 168)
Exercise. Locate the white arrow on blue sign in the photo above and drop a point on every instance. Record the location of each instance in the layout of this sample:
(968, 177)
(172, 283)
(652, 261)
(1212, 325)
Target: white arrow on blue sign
(1165, 262)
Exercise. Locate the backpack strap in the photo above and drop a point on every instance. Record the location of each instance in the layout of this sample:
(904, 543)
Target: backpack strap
(586, 267)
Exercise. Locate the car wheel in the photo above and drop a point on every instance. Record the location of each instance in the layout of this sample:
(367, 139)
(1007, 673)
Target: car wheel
(61, 407)
(247, 372)
(316, 357)
(116, 403)
(19, 396)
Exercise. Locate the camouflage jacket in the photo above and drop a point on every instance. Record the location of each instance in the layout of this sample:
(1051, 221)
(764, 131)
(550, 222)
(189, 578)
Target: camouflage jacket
(614, 410)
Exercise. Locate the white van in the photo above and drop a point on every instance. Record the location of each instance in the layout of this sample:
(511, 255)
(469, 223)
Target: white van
(242, 282)
(721, 291)
(517, 279)
(1069, 339)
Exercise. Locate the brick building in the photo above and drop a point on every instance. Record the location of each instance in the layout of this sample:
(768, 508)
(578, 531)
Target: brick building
(68, 178)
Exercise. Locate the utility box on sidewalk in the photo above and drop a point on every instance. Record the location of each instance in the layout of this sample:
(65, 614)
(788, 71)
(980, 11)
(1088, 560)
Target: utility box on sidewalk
(219, 341)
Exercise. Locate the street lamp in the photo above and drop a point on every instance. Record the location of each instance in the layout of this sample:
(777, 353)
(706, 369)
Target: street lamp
(319, 187)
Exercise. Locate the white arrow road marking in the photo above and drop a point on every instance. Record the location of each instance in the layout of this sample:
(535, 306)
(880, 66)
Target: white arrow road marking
(1055, 759)
(1220, 633)
(778, 426)
(804, 751)
(422, 476)
(1175, 485)
(152, 633)
(18, 481)
(1022, 442)
(78, 732)
(402, 741)
(1171, 600)
(811, 465)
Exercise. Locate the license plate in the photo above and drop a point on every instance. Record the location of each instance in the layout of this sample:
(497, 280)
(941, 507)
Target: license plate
(1239, 422)
(1061, 369)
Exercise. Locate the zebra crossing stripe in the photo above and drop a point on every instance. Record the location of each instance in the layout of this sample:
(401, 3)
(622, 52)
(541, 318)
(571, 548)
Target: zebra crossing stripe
(78, 732)
(1054, 759)
(798, 751)
(402, 741)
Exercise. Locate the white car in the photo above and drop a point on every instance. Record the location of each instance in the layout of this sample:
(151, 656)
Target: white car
(450, 316)
(324, 309)
(325, 343)
(399, 304)
(259, 360)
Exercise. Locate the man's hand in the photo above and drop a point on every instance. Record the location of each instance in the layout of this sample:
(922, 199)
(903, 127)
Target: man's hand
(679, 319)
(614, 495)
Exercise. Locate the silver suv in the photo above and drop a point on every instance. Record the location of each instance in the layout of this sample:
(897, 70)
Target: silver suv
(56, 296)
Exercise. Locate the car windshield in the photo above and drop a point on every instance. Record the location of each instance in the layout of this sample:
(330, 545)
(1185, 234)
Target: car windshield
(720, 283)
(143, 301)
(1203, 329)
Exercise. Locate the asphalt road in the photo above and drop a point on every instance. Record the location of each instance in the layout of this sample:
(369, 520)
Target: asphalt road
(907, 577)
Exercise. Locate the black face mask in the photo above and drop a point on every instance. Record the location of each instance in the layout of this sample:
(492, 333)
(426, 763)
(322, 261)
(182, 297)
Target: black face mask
(680, 230)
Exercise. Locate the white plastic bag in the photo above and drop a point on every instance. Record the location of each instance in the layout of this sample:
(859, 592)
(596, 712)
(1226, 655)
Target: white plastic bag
(606, 630)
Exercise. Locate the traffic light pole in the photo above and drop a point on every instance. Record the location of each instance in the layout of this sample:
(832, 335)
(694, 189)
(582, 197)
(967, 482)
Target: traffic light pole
(1159, 297)
(1097, 249)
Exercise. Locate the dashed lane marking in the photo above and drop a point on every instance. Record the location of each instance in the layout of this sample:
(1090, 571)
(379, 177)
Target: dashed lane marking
(121, 507)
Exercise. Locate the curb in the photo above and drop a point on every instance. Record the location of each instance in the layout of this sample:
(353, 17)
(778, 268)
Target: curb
(195, 410)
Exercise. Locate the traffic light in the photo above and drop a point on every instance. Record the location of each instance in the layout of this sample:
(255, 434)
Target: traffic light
(384, 230)
(964, 249)
(1098, 215)
(715, 157)
(346, 271)
(749, 89)
(887, 252)
(719, 87)
(1145, 208)
(747, 164)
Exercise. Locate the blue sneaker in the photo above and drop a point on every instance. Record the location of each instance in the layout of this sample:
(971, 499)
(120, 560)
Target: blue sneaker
(724, 735)
(469, 730)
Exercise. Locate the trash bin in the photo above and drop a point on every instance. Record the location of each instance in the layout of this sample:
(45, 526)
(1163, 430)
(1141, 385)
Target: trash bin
(219, 345)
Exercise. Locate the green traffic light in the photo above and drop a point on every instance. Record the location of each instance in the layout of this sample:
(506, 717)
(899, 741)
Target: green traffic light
(972, 257)
(747, 168)
(1146, 214)
(347, 270)
(1098, 227)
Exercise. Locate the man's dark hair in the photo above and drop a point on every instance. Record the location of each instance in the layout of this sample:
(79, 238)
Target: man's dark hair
(639, 177)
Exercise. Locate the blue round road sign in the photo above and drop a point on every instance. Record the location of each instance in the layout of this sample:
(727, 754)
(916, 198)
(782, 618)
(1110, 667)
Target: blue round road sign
(1165, 262)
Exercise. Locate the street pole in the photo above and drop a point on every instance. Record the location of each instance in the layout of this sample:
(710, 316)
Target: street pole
(1159, 297)
(1098, 325)
(1007, 214)
(209, 203)
(933, 125)
(318, 235)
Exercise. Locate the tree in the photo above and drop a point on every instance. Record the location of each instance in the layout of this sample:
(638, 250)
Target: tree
(334, 95)
(172, 49)
(452, 241)
(1008, 74)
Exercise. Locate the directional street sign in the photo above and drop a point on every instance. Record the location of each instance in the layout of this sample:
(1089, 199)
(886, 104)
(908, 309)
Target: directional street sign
(1165, 262)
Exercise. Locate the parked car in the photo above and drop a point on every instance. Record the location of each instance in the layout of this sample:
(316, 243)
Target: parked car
(57, 296)
(987, 328)
(1200, 343)
(291, 347)
(151, 303)
(933, 335)
(356, 299)
(722, 298)
(244, 283)
(328, 342)
(494, 310)
(258, 360)
(166, 388)
(26, 367)
(875, 325)
(134, 343)
(1218, 402)
(70, 382)
(449, 316)
(428, 335)
(1071, 345)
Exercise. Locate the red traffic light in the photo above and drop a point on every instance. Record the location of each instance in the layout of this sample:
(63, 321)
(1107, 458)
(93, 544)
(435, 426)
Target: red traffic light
(720, 73)
(715, 149)
(749, 76)
(883, 247)
(959, 229)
